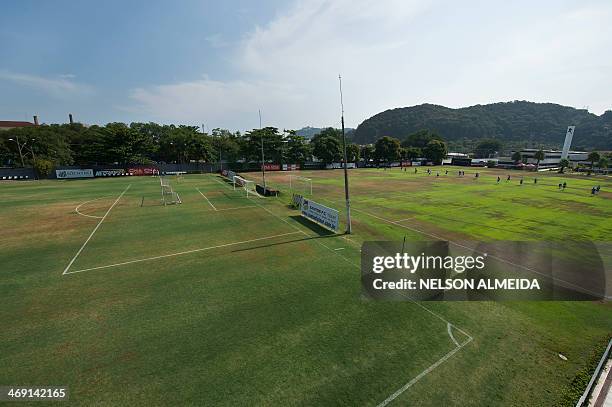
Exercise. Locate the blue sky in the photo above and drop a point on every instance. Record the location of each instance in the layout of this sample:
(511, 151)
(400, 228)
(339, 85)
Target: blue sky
(218, 62)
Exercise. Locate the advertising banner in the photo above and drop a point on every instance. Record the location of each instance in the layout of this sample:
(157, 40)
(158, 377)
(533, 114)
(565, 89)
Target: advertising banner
(321, 214)
(272, 167)
(291, 167)
(79, 173)
(110, 173)
(339, 165)
(142, 171)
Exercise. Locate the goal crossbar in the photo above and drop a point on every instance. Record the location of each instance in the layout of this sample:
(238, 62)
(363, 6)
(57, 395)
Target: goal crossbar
(307, 181)
(242, 183)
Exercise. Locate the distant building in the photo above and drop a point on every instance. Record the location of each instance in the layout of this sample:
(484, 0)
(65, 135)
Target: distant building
(7, 125)
(552, 157)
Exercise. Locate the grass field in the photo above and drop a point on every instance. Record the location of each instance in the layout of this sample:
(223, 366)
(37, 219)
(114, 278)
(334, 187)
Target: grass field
(229, 300)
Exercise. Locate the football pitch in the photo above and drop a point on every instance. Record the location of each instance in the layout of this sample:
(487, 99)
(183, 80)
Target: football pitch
(229, 299)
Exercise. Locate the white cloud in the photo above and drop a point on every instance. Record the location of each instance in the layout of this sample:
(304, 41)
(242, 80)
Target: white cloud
(394, 53)
(61, 86)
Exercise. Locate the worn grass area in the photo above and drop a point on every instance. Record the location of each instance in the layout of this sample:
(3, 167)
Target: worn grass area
(229, 300)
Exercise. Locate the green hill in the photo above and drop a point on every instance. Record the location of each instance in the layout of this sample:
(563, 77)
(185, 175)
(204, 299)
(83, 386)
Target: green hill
(517, 123)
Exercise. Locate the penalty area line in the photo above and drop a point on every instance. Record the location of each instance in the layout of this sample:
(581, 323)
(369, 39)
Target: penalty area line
(95, 229)
(207, 200)
(181, 253)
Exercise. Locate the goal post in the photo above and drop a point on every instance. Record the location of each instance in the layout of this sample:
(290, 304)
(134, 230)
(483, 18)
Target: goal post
(169, 195)
(244, 184)
(300, 184)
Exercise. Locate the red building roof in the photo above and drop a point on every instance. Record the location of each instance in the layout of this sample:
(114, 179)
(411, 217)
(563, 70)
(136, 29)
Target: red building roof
(8, 123)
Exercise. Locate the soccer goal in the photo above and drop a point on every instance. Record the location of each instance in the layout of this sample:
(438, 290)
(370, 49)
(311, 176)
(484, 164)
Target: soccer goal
(300, 184)
(245, 185)
(169, 196)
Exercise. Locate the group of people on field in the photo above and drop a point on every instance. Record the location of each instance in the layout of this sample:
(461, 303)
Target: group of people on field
(594, 191)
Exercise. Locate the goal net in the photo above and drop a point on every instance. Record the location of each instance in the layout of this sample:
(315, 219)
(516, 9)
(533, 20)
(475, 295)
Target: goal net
(300, 184)
(169, 196)
(244, 185)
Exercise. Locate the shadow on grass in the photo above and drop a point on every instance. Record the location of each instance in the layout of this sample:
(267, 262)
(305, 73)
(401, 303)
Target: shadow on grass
(268, 245)
(319, 230)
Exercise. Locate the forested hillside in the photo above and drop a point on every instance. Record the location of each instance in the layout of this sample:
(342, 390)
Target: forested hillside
(514, 123)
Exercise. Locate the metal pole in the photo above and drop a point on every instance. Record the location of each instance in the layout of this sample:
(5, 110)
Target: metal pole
(263, 162)
(346, 182)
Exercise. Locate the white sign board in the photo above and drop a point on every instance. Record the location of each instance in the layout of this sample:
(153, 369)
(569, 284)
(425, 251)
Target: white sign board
(568, 141)
(321, 214)
(336, 166)
(87, 173)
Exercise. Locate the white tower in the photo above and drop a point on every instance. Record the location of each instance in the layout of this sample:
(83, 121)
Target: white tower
(568, 141)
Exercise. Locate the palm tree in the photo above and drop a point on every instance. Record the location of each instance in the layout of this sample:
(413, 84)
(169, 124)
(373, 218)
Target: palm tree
(593, 156)
(539, 155)
(517, 157)
(564, 163)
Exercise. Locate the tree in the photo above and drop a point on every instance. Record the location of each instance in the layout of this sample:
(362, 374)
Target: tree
(435, 151)
(367, 152)
(411, 153)
(126, 145)
(298, 150)
(43, 167)
(328, 132)
(420, 138)
(273, 145)
(327, 149)
(487, 148)
(539, 156)
(387, 149)
(593, 157)
(352, 153)
(564, 163)
(517, 157)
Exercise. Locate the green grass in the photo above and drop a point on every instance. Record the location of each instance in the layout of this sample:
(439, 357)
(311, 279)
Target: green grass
(270, 312)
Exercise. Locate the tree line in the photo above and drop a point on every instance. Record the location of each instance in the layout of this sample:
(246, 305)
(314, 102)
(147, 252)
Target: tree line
(46, 146)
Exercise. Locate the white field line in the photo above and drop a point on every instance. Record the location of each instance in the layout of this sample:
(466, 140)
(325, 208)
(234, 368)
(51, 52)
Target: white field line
(425, 372)
(501, 259)
(95, 229)
(84, 214)
(236, 207)
(207, 200)
(448, 325)
(449, 329)
(182, 253)
(304, 233)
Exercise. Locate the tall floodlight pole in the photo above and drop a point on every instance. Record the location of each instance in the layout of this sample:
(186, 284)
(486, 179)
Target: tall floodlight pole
(263, 162)
(346, 182)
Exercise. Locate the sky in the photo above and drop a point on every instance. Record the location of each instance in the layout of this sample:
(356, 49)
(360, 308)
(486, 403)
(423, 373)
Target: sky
(218, 63)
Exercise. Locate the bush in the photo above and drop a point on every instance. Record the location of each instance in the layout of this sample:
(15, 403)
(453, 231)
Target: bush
(43, 167)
